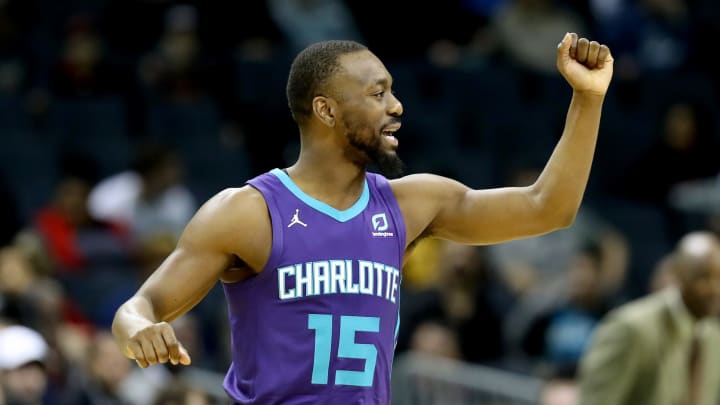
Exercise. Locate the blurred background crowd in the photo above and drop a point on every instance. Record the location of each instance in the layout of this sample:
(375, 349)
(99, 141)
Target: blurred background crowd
(119, 117)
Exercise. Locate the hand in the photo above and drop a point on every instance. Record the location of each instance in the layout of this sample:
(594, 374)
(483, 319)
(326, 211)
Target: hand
(156, 344)
(586, 65)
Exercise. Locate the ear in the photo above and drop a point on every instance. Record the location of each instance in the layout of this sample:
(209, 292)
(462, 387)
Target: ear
(324, 109)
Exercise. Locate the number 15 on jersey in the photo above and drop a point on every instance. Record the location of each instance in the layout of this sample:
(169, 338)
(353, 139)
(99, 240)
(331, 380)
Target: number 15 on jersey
(347, 348)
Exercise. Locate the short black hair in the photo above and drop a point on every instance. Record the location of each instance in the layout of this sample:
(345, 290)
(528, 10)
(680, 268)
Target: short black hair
(311, 70)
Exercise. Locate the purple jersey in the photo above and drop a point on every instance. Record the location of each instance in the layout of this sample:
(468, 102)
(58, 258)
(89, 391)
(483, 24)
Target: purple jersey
(319, 324)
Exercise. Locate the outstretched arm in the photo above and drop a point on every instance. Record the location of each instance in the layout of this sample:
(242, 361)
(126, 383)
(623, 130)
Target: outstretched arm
(450, 210)
(207, 248)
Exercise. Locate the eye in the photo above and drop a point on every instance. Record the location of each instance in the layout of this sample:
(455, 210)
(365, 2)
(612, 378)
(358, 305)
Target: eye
(379, 94)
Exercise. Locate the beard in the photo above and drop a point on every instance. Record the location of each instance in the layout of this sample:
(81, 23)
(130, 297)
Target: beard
(370, 146)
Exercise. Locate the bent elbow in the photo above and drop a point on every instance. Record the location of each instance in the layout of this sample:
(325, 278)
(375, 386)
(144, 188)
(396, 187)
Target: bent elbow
(564, 216)
(555, 215)
(566, 219)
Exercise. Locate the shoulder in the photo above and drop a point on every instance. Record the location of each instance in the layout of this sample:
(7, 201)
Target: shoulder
(234, 221)
(419, 179)
(424, 184)
(712, 327)
(230, 209)
(244, 195)
(234, 201)
(420, 198)
(641, 317)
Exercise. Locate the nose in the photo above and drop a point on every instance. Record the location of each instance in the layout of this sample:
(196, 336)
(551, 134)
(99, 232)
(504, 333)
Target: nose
(395, 107)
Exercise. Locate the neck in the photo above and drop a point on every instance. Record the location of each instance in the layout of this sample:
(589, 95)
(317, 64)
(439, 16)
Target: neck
(325, 173)
(695, 312)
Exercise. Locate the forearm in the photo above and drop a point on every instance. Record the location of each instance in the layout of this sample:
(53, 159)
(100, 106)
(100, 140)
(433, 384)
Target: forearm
(562, 183)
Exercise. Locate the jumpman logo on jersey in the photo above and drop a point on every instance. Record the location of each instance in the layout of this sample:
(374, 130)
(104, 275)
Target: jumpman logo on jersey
(296, 219)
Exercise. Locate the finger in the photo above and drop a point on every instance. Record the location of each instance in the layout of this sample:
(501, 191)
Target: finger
(137, 354)
(582, 50)
(593, 52)
(573, 45)
(185, 359)
(148, 351)
(160, 349)
(603, 55)
(563, 48)
(172, 345)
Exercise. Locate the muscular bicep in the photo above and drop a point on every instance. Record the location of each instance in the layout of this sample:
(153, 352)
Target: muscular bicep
(490, 216)
(447, 209)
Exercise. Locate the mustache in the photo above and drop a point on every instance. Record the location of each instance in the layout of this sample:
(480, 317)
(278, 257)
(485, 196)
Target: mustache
(392, 121)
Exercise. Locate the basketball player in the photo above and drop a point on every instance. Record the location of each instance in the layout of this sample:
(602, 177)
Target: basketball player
(310, 256)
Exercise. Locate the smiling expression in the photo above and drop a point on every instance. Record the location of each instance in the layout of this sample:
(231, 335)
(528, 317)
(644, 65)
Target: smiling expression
(368, 113)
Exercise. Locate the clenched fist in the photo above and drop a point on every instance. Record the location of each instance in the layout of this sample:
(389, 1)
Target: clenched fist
(586, 65)
(156, 344)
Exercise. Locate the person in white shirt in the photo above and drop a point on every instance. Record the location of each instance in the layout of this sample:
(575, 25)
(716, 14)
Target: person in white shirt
(149, 197)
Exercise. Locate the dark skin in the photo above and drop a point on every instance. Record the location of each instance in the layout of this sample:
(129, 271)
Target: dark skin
(697, 270)
(351, 124)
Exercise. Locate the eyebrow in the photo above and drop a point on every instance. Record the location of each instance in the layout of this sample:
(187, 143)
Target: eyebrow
(382, 82)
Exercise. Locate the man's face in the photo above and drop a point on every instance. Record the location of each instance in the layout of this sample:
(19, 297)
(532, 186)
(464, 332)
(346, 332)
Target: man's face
(25, 384)
(701, 289)
(368, 112)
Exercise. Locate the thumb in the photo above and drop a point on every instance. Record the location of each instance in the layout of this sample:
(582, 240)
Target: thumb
(564, 48)
(128, 352)
(184, 356)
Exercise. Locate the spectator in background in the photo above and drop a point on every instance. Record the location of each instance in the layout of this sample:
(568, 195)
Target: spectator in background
(39, 302)
(538, 266)
(181, 394)
(91, 256)
(174, 70)
(536, 269)
(66, 225)
(663, 275)
(435, 338)
(464, 307)
(685, 150)
(106, 371)
(33, 299)
(179, 69)
(83, 69)
(23, 377)
(557, 338)
(150, 198)
(664, 348)
(86, 70)
(559, 391)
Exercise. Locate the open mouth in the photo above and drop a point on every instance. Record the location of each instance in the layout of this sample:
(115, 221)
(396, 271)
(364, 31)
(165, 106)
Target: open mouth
(388, 134)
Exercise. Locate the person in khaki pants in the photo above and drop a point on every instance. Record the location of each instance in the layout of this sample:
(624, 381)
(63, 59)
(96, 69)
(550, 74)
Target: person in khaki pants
(663, 349)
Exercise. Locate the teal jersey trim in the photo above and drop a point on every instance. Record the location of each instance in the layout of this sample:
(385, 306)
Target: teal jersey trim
(340, 216)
